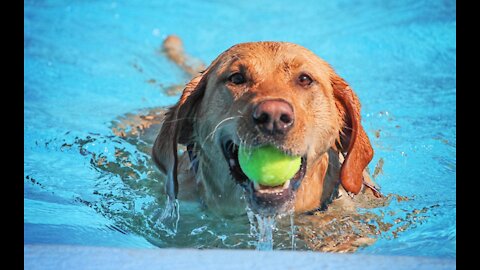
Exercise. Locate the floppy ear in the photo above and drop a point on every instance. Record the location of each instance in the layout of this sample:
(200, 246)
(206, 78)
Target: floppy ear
(353, 139)
(177, 128)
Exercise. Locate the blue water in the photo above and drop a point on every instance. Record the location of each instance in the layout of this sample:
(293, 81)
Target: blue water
(87, 63)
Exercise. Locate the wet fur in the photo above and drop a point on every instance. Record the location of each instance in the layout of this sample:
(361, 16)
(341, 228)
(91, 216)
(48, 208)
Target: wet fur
(327, 126)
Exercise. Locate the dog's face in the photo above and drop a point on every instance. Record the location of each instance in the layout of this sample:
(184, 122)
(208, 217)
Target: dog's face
(255, 94)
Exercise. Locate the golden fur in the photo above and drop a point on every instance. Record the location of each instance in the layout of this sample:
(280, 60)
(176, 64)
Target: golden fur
(327, 125)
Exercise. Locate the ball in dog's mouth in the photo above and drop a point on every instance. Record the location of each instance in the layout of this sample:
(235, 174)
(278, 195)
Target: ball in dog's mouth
(264, 199)
(267, 165)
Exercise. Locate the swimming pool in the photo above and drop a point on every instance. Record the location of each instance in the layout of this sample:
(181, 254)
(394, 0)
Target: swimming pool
(86, 64)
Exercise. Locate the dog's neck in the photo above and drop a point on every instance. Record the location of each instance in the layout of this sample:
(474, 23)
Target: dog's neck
(220, 195)
(316, 190)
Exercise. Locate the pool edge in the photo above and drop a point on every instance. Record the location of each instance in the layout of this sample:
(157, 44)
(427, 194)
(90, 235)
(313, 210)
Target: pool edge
(90, 257)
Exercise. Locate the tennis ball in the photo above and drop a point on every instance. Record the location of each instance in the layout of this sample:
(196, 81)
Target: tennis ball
(267, 165)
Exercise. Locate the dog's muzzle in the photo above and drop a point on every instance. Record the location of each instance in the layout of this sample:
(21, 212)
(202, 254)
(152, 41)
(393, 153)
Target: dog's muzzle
(264, 199)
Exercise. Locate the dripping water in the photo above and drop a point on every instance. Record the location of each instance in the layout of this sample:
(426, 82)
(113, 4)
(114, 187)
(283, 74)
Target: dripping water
(265, 224)
(292, 229)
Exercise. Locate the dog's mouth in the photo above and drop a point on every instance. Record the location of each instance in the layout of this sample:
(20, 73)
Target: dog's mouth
(264, 199)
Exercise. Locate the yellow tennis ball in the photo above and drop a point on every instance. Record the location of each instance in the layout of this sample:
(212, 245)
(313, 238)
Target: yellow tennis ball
(267, 165)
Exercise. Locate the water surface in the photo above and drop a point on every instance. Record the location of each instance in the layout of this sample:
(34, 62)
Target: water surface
(88, 63)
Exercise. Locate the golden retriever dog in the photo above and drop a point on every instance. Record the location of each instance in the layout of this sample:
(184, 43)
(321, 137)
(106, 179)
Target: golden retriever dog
(260, 93)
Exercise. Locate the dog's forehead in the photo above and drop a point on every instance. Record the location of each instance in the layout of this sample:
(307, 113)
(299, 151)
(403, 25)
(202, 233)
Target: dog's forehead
(267, 52)
(267, 56)
(272, 46)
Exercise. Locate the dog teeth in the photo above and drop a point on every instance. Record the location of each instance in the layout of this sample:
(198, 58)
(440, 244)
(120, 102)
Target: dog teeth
(232, 162)
(256, 186)
(276, 189)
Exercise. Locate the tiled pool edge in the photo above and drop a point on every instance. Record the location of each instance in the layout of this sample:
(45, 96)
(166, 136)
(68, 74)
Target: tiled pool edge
(85, 257)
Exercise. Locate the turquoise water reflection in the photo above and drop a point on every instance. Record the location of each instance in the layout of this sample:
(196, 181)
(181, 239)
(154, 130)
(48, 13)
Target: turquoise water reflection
(90, 62)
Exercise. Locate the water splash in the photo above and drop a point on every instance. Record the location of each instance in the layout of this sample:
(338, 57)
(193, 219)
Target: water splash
(261, 227)
(169, 217)
(126, 192)
(292, 228)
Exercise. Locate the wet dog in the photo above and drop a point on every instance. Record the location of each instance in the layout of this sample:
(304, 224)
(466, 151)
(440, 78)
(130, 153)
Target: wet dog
(260, 93)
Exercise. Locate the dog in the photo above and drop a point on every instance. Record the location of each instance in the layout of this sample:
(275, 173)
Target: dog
(263, 93)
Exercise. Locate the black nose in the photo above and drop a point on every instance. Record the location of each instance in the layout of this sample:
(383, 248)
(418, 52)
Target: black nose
(273, 116)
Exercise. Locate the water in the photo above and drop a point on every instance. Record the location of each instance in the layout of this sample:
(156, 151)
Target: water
(292, 228)
(266, 226)
(87, 64)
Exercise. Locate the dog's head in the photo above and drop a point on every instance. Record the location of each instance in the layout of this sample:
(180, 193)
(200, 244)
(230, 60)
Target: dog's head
(264, 93)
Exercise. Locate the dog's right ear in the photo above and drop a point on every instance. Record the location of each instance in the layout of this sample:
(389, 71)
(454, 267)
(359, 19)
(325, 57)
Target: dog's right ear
(177, 128)
(354, 140)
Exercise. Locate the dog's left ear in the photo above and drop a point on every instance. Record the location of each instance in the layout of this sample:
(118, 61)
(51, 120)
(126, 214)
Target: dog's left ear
(177, 128)
(353, 139)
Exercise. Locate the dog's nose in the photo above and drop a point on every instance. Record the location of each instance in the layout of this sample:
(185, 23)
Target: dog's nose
(273, 116)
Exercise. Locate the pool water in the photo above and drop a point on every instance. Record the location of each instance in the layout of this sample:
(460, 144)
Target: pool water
(88, 64)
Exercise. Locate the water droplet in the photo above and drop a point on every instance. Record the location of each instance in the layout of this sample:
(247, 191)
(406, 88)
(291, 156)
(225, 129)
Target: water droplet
(198, 230)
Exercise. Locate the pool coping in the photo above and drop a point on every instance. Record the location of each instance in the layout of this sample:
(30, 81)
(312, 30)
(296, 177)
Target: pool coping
(92, 257)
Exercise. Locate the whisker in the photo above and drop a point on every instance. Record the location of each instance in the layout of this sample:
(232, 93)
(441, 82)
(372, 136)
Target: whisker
(217, 126)
(179, 119)
(248, 146)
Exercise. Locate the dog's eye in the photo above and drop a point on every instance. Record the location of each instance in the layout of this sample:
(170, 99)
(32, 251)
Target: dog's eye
(237, 78)
(304, 80)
